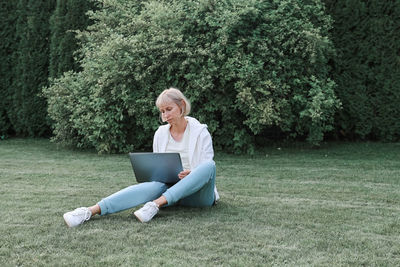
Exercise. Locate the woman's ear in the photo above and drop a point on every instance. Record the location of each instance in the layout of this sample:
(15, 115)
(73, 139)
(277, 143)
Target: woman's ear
(183, 107)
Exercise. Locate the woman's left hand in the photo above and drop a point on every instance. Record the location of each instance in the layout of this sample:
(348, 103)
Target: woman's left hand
(183, 174)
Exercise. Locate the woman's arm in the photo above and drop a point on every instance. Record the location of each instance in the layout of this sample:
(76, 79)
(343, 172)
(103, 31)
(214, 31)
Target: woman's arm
(203, 152)
(206, 146)
(156, 141)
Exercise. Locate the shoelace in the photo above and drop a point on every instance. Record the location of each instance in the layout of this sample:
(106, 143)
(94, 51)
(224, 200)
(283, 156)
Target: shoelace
(150, 207)
(86, 212)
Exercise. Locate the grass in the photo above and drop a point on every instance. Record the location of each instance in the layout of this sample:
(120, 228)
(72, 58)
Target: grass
(334, 206)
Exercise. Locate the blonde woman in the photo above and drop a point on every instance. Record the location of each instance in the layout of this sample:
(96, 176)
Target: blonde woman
(196, 187)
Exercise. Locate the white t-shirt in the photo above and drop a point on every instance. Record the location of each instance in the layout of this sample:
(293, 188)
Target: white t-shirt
(181, 147)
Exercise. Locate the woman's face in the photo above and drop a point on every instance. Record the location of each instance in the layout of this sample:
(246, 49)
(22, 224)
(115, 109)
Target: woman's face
(170, 112)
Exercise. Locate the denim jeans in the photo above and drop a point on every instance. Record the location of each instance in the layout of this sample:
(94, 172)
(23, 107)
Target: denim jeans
(195, 190)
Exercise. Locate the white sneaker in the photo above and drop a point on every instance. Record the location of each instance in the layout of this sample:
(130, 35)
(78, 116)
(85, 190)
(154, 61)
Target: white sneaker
(216, 195)
(147, 212)
(77, 216)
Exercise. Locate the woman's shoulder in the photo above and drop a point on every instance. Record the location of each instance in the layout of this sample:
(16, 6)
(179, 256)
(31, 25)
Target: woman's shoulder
(197, 128)
(193, 122)
(162, 128)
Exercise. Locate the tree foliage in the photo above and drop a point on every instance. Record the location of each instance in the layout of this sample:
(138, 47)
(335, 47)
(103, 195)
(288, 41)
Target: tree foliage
(367, 67)
(7, 36)
(68, 16)
(26, 109)
(245, 65)
(34, 48)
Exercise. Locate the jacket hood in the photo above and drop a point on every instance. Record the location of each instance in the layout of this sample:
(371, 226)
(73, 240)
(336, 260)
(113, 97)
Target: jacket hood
(195, 126)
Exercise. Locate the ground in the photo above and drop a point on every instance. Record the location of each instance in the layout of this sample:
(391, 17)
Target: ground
(288, 205)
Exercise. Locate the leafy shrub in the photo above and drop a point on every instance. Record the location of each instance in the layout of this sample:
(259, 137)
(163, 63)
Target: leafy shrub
(245, 65)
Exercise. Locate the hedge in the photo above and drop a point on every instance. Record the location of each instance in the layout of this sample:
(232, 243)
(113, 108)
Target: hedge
(32, 49)
(8, 41)
(68, 16)
(367, 68)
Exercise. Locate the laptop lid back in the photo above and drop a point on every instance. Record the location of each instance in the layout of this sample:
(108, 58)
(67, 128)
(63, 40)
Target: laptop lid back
(159, 167)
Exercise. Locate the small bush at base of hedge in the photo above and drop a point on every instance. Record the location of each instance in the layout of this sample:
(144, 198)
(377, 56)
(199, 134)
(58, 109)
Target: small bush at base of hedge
(245, 65)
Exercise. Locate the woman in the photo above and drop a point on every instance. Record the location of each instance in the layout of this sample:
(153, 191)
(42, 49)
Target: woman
(196, 188)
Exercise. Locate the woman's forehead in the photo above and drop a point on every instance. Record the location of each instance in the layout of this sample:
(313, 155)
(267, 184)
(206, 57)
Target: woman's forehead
(167, 104)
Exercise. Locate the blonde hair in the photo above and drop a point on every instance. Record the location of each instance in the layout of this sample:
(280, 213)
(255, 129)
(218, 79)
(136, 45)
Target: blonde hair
(175, 96)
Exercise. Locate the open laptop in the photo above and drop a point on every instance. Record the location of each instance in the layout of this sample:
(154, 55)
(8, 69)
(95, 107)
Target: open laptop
(159, 167)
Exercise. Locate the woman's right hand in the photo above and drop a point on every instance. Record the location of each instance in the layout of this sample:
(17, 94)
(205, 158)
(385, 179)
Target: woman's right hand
(183, 174)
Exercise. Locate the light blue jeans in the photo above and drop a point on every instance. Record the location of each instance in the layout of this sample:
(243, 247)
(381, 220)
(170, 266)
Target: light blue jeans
(195, 190)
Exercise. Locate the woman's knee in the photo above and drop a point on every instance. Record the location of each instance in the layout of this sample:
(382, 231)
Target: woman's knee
(209, 165)
(154, 186)
(205, 171)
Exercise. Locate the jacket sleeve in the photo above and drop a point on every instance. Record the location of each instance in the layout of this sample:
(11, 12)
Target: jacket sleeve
(207, 151)
(155, 142)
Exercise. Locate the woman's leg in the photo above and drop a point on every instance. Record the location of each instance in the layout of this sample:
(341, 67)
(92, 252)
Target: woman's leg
(205, 197)
(196, 189)
(130, 197)
(122, 200)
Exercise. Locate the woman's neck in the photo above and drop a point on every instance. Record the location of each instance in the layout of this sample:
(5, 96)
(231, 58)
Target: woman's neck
(179, 126)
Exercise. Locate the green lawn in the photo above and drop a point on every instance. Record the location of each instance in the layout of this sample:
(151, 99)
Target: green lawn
(334, 206)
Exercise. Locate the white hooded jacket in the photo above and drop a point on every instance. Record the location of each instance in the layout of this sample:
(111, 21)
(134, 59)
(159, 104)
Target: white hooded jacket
(200, 143)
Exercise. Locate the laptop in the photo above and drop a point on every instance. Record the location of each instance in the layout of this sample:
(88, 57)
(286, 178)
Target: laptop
(159, 167)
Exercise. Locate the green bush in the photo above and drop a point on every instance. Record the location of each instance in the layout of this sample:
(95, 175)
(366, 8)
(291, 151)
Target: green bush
(367, 67)
(247, 66)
